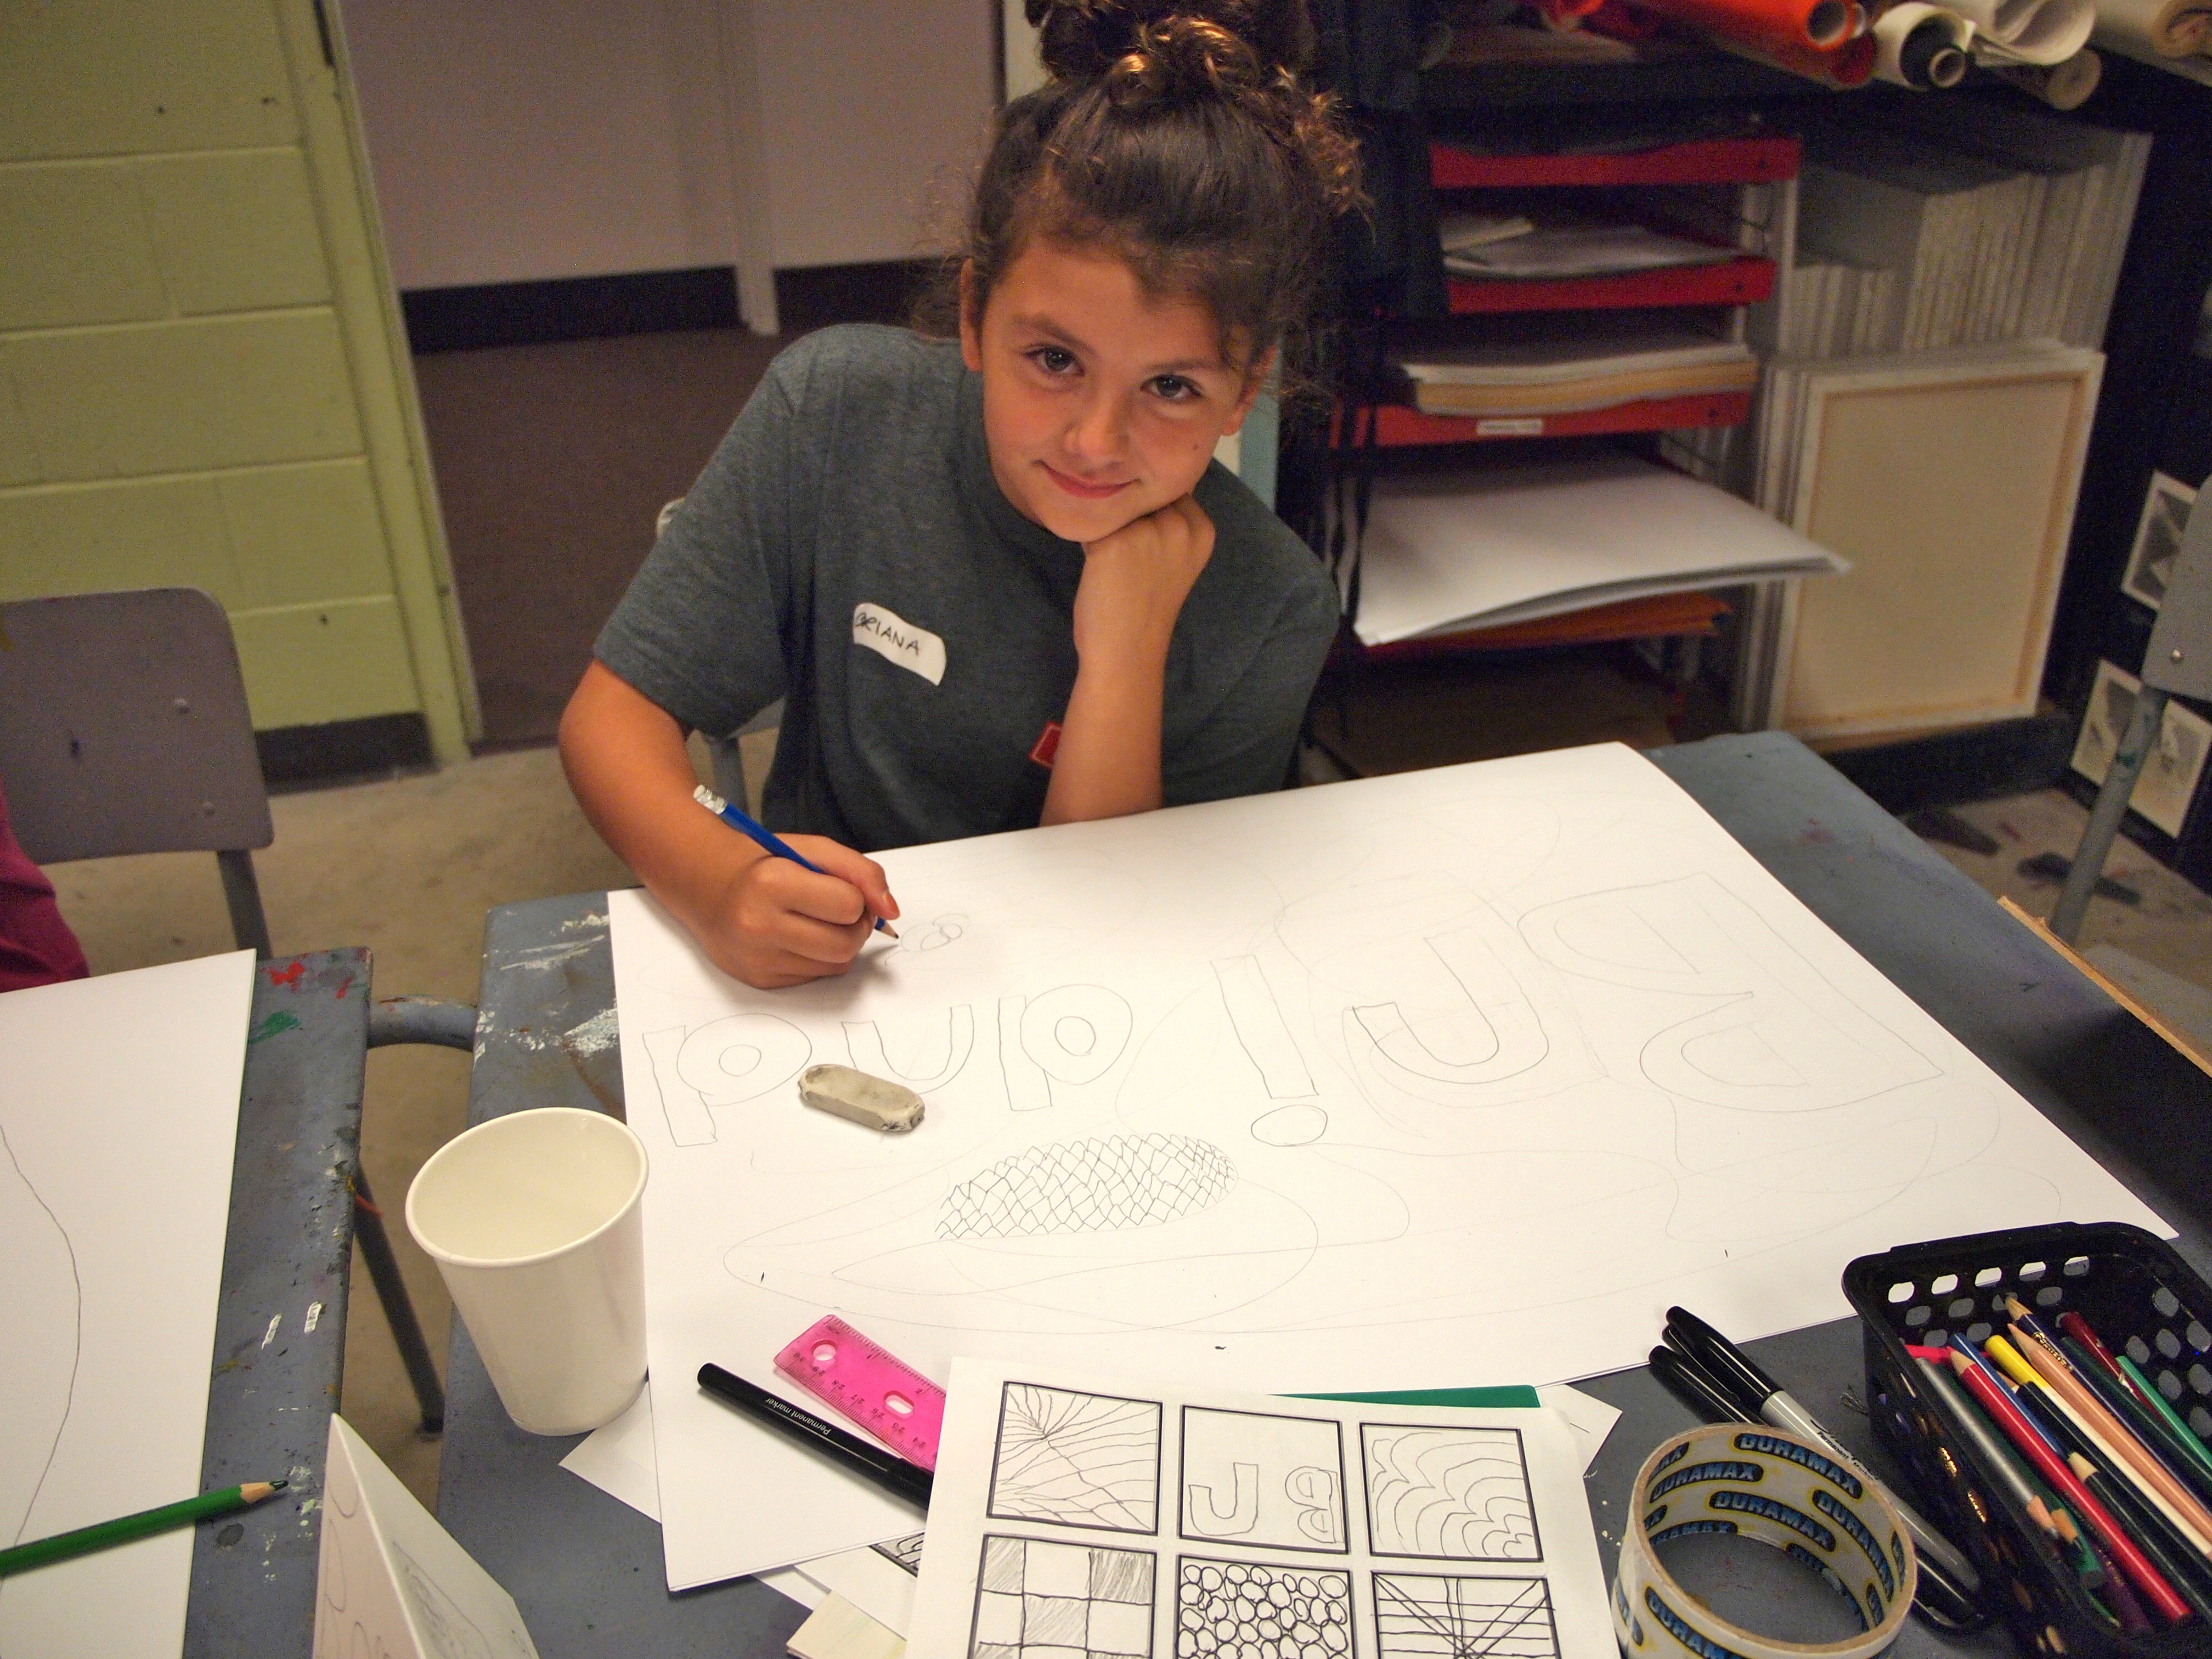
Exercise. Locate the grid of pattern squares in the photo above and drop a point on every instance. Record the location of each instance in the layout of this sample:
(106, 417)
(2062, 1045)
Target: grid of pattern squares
(1040, 1600)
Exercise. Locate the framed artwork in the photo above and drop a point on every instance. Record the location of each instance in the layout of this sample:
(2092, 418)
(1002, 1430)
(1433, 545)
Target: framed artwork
(1948, 478)
(2158, 540)
(2175, 764)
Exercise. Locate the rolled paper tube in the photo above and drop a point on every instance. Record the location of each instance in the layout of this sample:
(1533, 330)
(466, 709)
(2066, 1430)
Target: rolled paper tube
(1774, 26)
(2031, 31)
(2165, 28)
(2062, 86)
(1850, 64)
(1920, 46)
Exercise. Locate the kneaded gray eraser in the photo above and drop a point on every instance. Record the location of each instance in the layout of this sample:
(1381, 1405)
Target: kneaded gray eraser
(873, 1101)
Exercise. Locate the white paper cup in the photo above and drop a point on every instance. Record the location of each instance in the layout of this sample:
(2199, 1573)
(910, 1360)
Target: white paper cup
(534, 1220)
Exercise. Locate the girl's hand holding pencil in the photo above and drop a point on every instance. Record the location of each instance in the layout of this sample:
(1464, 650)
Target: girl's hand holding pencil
(800, 910)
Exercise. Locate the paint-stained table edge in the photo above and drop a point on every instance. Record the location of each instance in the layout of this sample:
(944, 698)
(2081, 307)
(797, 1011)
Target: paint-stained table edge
(279, 1325)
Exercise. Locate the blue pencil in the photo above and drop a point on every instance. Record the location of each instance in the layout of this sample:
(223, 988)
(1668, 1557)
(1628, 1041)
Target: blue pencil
(768, 840)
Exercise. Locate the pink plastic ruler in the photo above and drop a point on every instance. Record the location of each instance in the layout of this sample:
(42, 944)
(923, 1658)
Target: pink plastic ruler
(872, 1387)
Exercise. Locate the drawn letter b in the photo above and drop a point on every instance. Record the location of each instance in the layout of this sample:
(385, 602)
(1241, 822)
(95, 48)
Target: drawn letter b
(1314, 1491)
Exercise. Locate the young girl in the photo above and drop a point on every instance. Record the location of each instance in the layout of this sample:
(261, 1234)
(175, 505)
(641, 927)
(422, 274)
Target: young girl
(1000, 582)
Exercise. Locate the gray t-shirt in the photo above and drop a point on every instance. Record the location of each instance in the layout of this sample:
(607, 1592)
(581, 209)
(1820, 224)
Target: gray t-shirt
(847, 548)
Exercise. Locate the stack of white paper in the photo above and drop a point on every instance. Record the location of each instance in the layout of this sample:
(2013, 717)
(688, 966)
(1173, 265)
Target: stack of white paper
(1443, 553)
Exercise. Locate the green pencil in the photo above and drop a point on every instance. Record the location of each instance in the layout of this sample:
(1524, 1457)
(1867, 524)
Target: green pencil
(2183, 1433)
(146, 1523)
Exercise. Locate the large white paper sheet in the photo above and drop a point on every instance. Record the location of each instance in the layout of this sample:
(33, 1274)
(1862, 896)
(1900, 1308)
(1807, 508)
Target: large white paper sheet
(1076, 1516)
(1449, 1078)
(118, 1114)
(1458, 551)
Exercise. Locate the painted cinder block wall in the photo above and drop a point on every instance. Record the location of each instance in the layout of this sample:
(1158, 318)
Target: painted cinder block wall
(202, 377)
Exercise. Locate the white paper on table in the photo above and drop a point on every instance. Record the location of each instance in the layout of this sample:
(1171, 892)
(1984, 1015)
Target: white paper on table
(1451, 1078)
(617, 1459)
(118, 1116)
(1445, 552)
(391, 1581)
(1100, 1515)
(1590, 1418)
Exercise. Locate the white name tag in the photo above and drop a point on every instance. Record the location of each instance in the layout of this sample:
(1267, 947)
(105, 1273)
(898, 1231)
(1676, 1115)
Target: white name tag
(897, 640)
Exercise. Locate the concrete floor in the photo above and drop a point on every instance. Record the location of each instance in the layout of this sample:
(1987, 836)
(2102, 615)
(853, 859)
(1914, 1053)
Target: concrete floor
(408, 866)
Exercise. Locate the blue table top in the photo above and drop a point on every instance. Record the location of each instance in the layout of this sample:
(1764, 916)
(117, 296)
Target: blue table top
(587, 1570)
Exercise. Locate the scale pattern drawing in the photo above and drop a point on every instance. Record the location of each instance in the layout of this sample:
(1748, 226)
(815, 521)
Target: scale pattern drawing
(1461, 1494)
(1108, 1184)
(1247, 1610)
(1418, 1616)
(1078, 1460)
(1040, 1600)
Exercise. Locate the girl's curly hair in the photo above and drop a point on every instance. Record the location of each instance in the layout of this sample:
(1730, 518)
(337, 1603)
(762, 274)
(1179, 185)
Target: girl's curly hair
(1179, 135)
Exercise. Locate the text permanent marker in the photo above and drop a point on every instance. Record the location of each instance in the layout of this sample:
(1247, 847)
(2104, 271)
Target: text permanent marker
(887, 1469)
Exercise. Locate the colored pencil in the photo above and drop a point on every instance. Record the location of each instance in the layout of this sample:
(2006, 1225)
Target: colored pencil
(2175, 1556)
(2148, 1392)
(2086, 1333)
(126, 1529)
(739, 819)
(2167, 1552)
(2126, 1610)
(1999, 1459)
(2147, 1427)
(2113, 1448)
(2078, 1497)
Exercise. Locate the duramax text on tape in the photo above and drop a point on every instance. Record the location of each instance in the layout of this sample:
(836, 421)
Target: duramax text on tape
(1755, 1482)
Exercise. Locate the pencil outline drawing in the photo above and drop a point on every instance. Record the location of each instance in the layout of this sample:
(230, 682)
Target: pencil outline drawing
(46, 1229)
(1457, 1494)
(450, 1632)
(1040, 1600)
(863, 1038)
(1286, 1485)
(1076, 1460)
(1108, 1183)
(692, 1072)
(1451, 1616)
(1227, 1609)
(1827, 1051)
(1257, 1018)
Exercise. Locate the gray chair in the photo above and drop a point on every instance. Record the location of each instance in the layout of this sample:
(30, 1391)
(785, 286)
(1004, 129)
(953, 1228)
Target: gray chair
(123, 729)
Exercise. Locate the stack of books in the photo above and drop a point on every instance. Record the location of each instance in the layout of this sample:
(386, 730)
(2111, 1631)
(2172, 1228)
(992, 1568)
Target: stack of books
(1549, 366)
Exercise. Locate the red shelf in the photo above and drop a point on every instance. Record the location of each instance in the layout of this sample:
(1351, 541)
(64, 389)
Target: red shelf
(1659, 615)
(1701, 162)
(1398, 427)
(1743, 281)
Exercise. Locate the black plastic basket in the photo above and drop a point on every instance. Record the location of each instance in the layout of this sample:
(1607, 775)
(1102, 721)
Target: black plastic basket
(2140, 1297)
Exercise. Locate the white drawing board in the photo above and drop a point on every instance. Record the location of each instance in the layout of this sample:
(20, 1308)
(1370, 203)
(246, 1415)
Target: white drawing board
(119, 1115)
(1448, 1078)
(390, 1581)
(1075, 1516)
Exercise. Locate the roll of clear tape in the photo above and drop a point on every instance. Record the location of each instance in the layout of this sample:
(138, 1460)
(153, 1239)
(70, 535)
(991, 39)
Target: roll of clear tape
(1921, 46)
(2031, 31)
(1757, 1483)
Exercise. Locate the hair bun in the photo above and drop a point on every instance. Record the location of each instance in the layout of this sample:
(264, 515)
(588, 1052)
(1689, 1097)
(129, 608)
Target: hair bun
(1159, 51)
